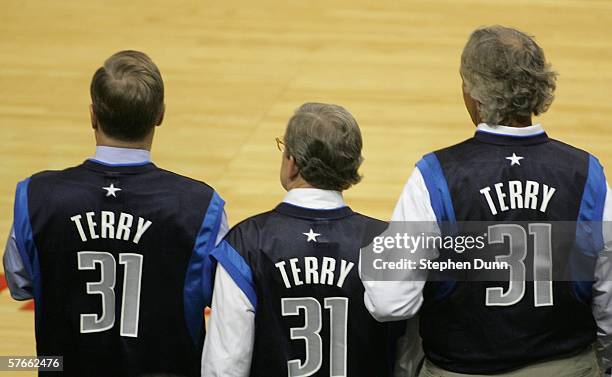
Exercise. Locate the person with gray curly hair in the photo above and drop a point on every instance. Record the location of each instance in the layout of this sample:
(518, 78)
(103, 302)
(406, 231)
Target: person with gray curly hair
(506, 78)
(548, 314)
(288, 300)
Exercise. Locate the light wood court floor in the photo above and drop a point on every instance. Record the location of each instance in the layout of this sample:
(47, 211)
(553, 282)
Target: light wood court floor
(235, 71)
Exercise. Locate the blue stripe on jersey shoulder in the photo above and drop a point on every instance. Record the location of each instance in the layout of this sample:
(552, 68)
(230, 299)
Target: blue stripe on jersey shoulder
(439, 194)
(442, 205)
(237, 268)
(594, 195)
(197, 292)
(589, 230)
(25, 240)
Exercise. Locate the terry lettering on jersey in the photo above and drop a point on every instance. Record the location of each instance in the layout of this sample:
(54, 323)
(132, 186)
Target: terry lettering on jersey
(312, 273)
(518, 195)
(110, 226)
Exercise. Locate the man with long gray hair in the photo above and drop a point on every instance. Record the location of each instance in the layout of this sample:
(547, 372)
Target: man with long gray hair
(288, 300)
(531, 324)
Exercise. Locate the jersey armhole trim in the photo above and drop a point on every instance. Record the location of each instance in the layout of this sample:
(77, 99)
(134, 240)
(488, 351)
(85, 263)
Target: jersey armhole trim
(437, 187)
(24, 237)
(197, 292)
(237, 268)
(589, 227)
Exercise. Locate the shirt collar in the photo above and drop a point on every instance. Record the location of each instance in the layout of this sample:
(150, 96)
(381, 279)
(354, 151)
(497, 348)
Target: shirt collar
(314, 198)
(114, 156)
(534, 130)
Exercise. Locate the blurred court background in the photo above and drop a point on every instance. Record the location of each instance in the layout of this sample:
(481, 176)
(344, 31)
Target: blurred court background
(235, 70)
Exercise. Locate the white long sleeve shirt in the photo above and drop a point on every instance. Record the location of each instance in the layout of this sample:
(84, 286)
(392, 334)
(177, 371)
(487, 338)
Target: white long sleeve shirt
(393, 300)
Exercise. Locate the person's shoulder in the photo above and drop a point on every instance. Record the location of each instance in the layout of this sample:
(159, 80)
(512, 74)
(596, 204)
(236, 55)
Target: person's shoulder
(568, 149)
(370, 227)
(572, 157)
(449, 153)
(246, 234)
(372, 224)
(50, 186)
(369, 220)
(184, 180)
(256, 222)
(184, 183)
(467, 142)
(53, 175)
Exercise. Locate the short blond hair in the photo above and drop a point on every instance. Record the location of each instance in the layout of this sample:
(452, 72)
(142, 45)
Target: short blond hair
(127, 94)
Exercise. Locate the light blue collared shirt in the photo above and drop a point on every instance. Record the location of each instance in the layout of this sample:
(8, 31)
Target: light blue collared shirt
(121, 156)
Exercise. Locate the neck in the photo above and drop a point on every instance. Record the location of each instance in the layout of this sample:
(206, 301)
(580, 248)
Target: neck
(103, 140)
(299, 185)
(299, 182)
(520, 122)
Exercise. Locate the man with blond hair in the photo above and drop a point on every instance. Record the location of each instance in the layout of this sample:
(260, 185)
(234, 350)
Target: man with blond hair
(115, 251)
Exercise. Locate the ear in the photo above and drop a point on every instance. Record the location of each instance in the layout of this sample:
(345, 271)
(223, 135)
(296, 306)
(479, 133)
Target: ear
(294, 170)
(477, 105)
(94, 119)
(161, 116)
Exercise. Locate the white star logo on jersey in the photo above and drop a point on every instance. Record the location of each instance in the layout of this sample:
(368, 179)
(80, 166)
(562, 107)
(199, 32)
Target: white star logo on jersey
(312, 236)
(111, 190)
(514, 159)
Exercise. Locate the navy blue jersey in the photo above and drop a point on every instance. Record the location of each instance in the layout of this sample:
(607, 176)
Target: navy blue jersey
(299, 268)
(119, 258)
(498, 326)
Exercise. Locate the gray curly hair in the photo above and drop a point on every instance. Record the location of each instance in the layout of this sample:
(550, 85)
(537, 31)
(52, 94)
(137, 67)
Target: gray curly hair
(505, 70)
(325, 141)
